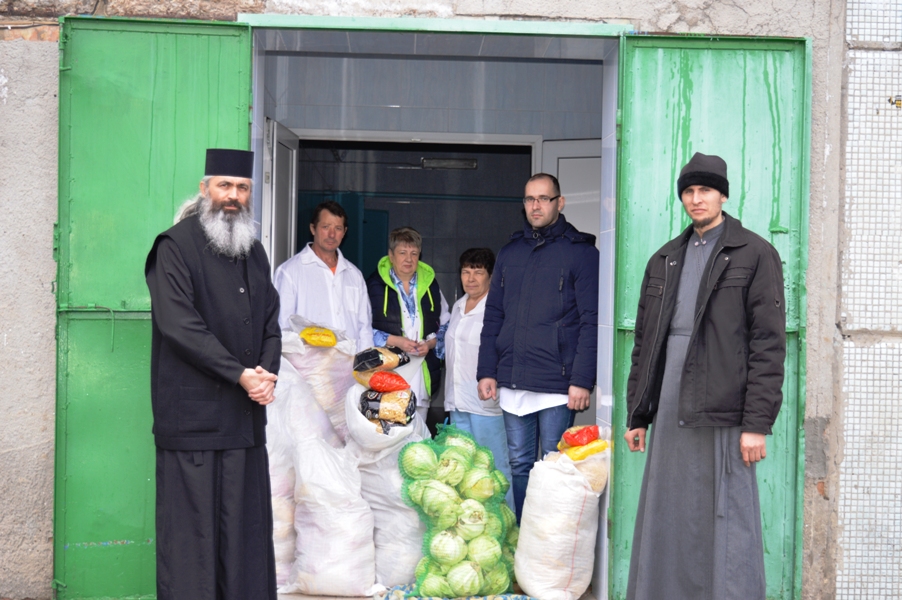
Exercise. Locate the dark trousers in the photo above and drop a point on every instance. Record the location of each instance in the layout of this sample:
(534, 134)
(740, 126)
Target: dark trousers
(214, 525)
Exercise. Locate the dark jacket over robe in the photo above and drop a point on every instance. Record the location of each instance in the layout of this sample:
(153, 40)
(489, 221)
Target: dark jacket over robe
(213, 316)
(733, 374)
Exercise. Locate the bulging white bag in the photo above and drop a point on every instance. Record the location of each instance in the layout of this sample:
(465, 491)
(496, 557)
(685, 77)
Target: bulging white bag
(556, 551)
(399, 531)
(335, 555)
(328, 371)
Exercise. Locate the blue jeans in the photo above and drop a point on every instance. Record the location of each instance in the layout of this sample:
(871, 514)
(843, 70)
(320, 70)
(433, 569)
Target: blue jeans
(489, 432)
(528, 434)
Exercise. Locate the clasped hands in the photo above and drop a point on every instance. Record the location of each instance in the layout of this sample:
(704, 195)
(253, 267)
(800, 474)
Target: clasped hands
(412, 347)
(260, 385)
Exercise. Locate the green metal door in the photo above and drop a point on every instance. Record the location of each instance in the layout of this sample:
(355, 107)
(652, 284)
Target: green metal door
(747, 100)
(139, 103)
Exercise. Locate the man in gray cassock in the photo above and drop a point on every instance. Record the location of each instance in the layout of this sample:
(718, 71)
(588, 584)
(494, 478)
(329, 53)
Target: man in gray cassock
(707, 372)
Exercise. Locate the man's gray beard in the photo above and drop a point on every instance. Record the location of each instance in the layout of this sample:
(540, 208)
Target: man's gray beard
(228, 234)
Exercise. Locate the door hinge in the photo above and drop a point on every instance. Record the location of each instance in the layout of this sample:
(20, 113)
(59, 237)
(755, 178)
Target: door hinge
(618, 123)
(56, 242)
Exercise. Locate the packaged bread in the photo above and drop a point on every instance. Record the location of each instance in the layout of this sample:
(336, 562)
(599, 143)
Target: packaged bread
(318, 336)
(396, 407)
(380, 359)
(381, 381)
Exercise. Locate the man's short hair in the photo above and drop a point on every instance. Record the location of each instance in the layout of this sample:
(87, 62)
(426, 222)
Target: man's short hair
(405, 235)
(333, 207)
(554, 182)
(478, 258)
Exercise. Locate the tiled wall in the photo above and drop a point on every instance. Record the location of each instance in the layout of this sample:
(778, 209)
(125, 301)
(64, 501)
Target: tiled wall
(870, 496)
(559, 100)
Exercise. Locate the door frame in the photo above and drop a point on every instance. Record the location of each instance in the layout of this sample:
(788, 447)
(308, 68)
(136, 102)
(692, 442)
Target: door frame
(570, 29)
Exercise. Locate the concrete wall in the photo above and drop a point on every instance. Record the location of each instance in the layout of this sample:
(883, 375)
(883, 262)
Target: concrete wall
(28, 164)
(27, 181)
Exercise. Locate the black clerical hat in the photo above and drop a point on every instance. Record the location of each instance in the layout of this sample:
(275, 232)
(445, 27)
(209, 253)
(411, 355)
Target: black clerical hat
(707, 170)
(223, 162)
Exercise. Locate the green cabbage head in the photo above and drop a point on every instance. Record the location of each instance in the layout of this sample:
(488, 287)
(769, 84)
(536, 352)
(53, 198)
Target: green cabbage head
(465, 579)
(448, 548)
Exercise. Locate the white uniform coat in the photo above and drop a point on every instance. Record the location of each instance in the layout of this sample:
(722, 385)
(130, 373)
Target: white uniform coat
(307, 287)
(461, 354)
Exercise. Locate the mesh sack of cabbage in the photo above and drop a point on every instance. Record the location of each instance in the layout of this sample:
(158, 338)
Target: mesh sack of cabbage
(469, 546)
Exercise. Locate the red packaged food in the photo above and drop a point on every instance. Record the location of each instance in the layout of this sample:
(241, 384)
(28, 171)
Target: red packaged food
(581, 435)
(387, 381)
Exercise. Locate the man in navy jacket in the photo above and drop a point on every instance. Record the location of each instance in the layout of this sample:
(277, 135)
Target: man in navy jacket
(539, 342)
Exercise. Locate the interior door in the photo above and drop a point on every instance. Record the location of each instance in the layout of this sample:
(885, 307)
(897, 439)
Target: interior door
(577, 165)
(746, 100)
(140, 101)
(278, 231)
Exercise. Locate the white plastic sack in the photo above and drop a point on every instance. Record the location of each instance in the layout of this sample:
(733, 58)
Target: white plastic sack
(556, 550)
(328, 371)
(296, 409)
(280, 448)
(335, 555)
(398, 528)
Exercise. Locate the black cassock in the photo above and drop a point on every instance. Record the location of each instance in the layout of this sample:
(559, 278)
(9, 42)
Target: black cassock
(212, 317)
(214, 525)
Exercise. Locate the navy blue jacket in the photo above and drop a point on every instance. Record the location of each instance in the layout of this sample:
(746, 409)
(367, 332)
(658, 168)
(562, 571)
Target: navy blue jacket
(540, 331)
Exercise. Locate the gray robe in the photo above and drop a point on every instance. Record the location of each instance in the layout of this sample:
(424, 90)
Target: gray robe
(698, 527)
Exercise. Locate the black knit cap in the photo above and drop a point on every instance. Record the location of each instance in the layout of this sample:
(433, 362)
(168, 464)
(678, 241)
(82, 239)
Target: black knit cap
(707, 170)
(223, 162)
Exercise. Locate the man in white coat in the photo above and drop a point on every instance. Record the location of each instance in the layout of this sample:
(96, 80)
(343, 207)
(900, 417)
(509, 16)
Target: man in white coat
(323, 286)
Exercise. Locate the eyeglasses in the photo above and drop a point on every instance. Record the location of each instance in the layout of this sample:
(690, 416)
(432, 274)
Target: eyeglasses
(540, 199)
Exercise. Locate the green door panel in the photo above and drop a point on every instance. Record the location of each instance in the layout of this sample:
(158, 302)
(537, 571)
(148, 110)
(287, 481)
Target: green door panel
(747, 100)
(139, 103)
(104, 539)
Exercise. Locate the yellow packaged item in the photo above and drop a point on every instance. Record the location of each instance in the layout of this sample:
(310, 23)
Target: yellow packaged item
(319, 336)
(562, 445)
(581, 452)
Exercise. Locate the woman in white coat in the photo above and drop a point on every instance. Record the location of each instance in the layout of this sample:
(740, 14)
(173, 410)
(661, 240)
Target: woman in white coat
(480, 418)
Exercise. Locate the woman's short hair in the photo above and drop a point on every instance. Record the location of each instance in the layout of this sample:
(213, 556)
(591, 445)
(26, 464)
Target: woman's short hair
(478, 258)
(405, 235)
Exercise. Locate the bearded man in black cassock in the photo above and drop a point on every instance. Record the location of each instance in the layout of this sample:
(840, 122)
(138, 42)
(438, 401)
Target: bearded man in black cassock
(214, 362)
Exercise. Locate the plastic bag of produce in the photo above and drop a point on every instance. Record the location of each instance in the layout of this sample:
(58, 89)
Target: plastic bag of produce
(335, 555)
(398, 532)
(556, 548)
(471, 533)
(326, 370)
(280, 448)
(296, 409)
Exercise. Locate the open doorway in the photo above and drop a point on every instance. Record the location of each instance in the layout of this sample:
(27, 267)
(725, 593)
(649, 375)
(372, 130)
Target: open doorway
(457, 196)
(360, 101)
